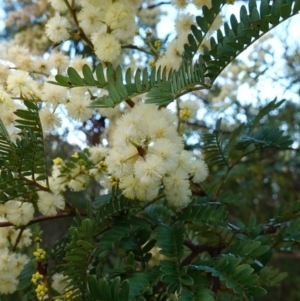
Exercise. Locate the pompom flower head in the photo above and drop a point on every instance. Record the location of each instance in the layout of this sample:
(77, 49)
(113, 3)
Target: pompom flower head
(57, 29)
(19, 213)
(152, 156)
(49, 203)
(107, 47)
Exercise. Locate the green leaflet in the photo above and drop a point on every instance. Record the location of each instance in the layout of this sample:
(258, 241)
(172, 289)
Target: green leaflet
(100, 75)
(114, 206)
(88, 76)
(236, 276)
(25, 276)
(74, 77)
(220, 146)
(162, 87)
(216, 146)
(248, 248)
(170, 240)
(204, 215)
(263, 111)
(264, 137)
(236, 36)
(78, 252)
(23, 163)
(138, 283)
(62, 80)
(108, 290)
(296, 7)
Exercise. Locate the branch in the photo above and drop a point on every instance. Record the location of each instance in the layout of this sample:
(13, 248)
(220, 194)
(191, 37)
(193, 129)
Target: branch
(81, 32)
(155, 5)
(40, 219)
(130, 46)
(130, 102)
(18, 239)
(197, 249)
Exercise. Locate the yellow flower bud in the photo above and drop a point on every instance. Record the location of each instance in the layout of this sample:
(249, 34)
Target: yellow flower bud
(58, 161)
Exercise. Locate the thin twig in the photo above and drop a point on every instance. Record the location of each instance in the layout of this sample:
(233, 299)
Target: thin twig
(81, 32)
(18, 239)
(131, 46)
(40, 219)
(130, 102)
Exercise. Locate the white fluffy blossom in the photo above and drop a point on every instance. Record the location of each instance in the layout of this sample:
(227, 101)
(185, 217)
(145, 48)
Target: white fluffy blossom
(199, 170)
(24, 241)
(149, 170)
(41, 65)
(200, 3)
(59, 282)
(183, 23)
(59, 60)
(150, 17)
(177, 188)
(172, 59)
(78, 184)
(91, 19)
(49, 119)
(107, 46)
(50, 203)
(126, 33)
(78, 62)
(118, 15)
(20, 82)
(100, 3)
(185, 161)
(147, 156)
(4, 71)
(129, 184)
(180, 3)
(165, 62)
(19, 213)
(58, 182)
(57, 29)
(133, 5)
(59, 5)
(8, 283)
(5, 99)
(53, 93)
(167, 151)
(11, 265)
(97, 153)
(188, 109)
(77, 107)
(120, 162)
(7, 115)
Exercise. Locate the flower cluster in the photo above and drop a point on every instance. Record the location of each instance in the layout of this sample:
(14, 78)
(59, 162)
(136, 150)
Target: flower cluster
(21, 213)
(188, 109)
(148, 156)
(36, 277)
(39, 254)
(77, 172)
(10, 235)
(145, 159)
(11, 265)
(41, 289)
(106, 24)
(172, 57)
